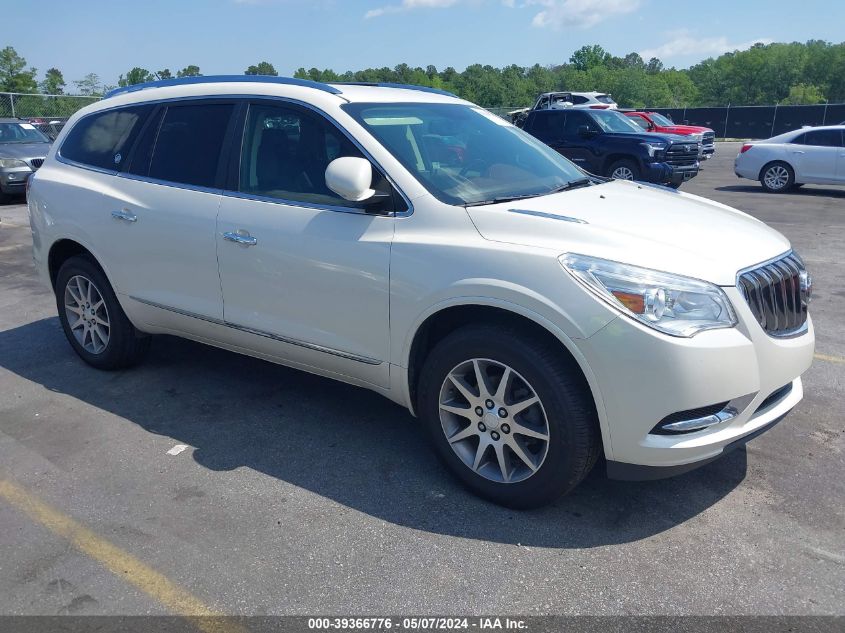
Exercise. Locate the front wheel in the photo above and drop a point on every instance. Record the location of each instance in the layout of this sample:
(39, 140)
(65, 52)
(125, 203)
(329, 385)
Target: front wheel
(777, 177)
(624, 170)
(510, 417)
(92, 319)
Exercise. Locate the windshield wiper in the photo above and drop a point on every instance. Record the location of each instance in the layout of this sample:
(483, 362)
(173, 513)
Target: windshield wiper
(504, 199)
(574, 184)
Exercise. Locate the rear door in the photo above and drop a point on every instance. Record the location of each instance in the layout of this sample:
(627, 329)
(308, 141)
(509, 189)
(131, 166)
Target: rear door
(815, 155)
(163, 209)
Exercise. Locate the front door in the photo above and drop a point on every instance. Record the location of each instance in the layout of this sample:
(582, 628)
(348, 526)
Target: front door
(304, 271)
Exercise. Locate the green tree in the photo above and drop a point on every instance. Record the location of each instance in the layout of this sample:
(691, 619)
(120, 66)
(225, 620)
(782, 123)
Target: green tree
(262, 68)
(14, 76)
(801, 94)
(588, 57)
(189, 71)
(163, 74)
(89, 85)
(654, 66)
(135, 76)
(54, 82)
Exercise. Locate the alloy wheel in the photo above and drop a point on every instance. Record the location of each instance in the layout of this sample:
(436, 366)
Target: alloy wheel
(87, 314)
(622, 173)
(494, 420)
(776, 177)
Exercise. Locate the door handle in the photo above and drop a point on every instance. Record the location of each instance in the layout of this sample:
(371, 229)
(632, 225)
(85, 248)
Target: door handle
(797, 152)
(240, 237)
(125, 215)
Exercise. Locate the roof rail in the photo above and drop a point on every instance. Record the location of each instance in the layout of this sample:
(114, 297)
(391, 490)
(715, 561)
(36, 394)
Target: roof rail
(207, 79)
(393, 85)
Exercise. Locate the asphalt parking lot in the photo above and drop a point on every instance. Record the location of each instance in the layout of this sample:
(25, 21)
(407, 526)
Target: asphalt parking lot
(299, 495)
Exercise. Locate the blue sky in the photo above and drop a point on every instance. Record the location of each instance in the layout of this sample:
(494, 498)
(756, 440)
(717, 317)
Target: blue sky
(225, 36)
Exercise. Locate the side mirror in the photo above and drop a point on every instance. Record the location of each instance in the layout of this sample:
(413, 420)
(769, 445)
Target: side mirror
(584, 131)
(350, 178)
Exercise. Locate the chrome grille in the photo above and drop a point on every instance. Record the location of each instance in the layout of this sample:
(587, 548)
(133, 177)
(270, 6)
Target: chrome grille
(777, 293)
(35, 163)
(682, 154)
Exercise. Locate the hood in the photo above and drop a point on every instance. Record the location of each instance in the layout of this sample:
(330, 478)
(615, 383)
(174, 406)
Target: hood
(635, 223)
(649, 137)
(24, 150)
(685, 129)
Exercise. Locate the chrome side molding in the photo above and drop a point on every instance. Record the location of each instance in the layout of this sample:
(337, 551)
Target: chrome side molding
(282, 339)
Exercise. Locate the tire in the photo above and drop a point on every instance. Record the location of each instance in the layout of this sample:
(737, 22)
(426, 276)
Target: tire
(624, 166)
(564, 404)
(107, 339)
(777, 177)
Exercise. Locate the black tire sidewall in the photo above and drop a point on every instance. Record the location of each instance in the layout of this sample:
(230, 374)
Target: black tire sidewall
(562, 469)
(120, 328)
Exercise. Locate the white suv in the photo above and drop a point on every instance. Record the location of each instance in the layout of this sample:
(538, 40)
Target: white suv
(532, 316)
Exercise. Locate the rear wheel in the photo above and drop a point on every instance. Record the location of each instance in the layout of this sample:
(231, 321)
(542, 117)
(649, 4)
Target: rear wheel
(624, 170)
(777, 177)
(92, 319)
(508, 415)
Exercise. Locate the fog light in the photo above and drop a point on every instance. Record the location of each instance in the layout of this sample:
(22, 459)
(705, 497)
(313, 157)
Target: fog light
(12, 176)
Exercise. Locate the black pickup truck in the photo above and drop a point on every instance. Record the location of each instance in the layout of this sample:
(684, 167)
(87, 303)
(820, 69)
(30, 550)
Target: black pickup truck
(607, 143)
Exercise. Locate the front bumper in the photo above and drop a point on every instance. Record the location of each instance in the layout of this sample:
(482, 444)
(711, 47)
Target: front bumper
(663, 173)
(645, 376)
(13, 180)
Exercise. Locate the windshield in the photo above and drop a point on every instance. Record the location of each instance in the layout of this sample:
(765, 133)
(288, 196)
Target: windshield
(661, 120)
(612, 121)
(464, 154)
(21, 133)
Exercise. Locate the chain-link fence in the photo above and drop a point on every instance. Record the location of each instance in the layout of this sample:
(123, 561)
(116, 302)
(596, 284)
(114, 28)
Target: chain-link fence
(47, 112)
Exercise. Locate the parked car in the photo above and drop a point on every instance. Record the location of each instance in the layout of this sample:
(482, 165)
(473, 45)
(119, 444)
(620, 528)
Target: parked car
(656, 122)
(22, 151)
(805, 156)
(565, 100)
(608, 143)
(532, 316)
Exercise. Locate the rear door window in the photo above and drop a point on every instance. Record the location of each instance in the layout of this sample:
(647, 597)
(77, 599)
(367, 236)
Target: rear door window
(823, 138)
(103, 139)
(189, 143)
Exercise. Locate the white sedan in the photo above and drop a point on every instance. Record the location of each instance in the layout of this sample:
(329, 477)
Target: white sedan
(806, 156)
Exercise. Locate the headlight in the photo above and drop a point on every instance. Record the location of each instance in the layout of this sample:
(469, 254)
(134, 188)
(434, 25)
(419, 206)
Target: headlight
(8, 163)
(680, 306)
(654, 148)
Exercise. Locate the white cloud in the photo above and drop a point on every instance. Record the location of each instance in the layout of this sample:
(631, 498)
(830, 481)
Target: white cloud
(547, 13)
(683, 43)
(556, 14)
(408, 5)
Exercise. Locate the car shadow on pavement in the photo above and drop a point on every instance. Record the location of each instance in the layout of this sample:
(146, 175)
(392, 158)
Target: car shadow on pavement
(803, 191)
(344, 443)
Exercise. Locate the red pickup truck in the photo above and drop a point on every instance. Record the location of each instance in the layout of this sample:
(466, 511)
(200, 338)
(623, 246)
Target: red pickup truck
(656, 122)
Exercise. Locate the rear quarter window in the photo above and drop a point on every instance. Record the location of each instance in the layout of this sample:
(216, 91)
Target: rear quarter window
(103, 139)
